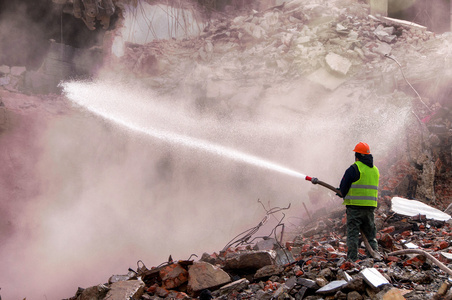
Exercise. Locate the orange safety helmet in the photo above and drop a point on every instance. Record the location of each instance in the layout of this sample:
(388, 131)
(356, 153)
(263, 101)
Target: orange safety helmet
(362, 148)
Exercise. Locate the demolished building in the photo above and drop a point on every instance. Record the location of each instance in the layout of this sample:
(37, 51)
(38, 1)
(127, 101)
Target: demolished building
(329, 46)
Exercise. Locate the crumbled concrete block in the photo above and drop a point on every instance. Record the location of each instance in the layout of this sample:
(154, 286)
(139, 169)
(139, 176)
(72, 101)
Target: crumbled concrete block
(268, 271)
(338, 63)
(130, 289)
(203, 275)
(237, 285)
(250, 260)
(373, 277)
(4, 69)
(326, 79)
(332, 287)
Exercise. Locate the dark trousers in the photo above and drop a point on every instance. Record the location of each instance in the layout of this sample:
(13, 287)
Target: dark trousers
(360, 218)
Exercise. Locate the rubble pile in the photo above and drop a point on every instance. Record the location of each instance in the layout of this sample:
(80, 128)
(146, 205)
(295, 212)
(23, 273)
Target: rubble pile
(11, 78)
(416, 264)
(331, 44)
(287, 41)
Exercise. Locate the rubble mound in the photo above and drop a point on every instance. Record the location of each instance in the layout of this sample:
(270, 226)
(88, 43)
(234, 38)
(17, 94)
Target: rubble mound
(416, 264)
(327, 44)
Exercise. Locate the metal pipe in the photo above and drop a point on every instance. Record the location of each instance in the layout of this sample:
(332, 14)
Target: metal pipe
(427, 255)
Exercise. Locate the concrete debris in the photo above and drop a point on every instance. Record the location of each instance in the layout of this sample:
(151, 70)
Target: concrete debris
(332, 287)
(233, 287)
(203, 275)
(318, 267)
(326, 79)
(249, 260)
(333, 46)
(373, 277)
(131, 289)
(385, 34)
(338, 63)
(12, 78)
(94, 292)
(268, 271)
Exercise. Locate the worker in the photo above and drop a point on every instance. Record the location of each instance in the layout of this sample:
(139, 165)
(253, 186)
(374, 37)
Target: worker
(359, 188)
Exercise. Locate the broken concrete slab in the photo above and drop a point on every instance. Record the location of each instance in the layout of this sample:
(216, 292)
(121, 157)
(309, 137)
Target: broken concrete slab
(326, 79)
(373, 277)
(237, 285)
(203, 275)
(385, 34)
(268, 271)
(250, 260)
(93, 292)
(116, 278)
(412, 208)
(130, 289)
(332, 287)
(309, 283)
(338, 63)
(283, 257)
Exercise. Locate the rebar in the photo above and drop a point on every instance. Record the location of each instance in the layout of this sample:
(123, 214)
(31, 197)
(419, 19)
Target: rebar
(244, 238)
(403, 74)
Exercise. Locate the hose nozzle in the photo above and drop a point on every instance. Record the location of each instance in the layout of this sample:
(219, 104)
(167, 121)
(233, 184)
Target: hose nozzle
(312, 179)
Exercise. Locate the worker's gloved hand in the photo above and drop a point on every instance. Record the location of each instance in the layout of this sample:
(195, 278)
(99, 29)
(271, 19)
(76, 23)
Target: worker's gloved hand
(338, 192)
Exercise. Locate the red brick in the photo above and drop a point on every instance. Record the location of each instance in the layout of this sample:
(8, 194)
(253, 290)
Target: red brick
(393, 258)
(443, 244)
(173, 276)
(406, 233)
(388, 229)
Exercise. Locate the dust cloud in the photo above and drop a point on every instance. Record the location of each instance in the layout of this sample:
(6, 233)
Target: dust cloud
(110, 196)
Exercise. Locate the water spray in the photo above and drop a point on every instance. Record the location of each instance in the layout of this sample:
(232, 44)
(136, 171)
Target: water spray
(127, 115)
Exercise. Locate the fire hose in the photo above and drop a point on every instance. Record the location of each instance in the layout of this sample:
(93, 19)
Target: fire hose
(369, 248)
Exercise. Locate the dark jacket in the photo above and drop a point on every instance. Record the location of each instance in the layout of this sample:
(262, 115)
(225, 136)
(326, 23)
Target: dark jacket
(352, 174)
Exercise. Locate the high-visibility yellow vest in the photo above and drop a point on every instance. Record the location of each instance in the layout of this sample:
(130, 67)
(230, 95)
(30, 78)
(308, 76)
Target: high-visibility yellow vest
(364, 191)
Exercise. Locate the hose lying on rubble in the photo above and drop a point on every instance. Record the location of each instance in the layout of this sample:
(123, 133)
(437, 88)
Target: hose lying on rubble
(427, 255)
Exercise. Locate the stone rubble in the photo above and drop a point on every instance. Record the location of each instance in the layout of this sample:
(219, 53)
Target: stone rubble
(319, 269)
(331, 43)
